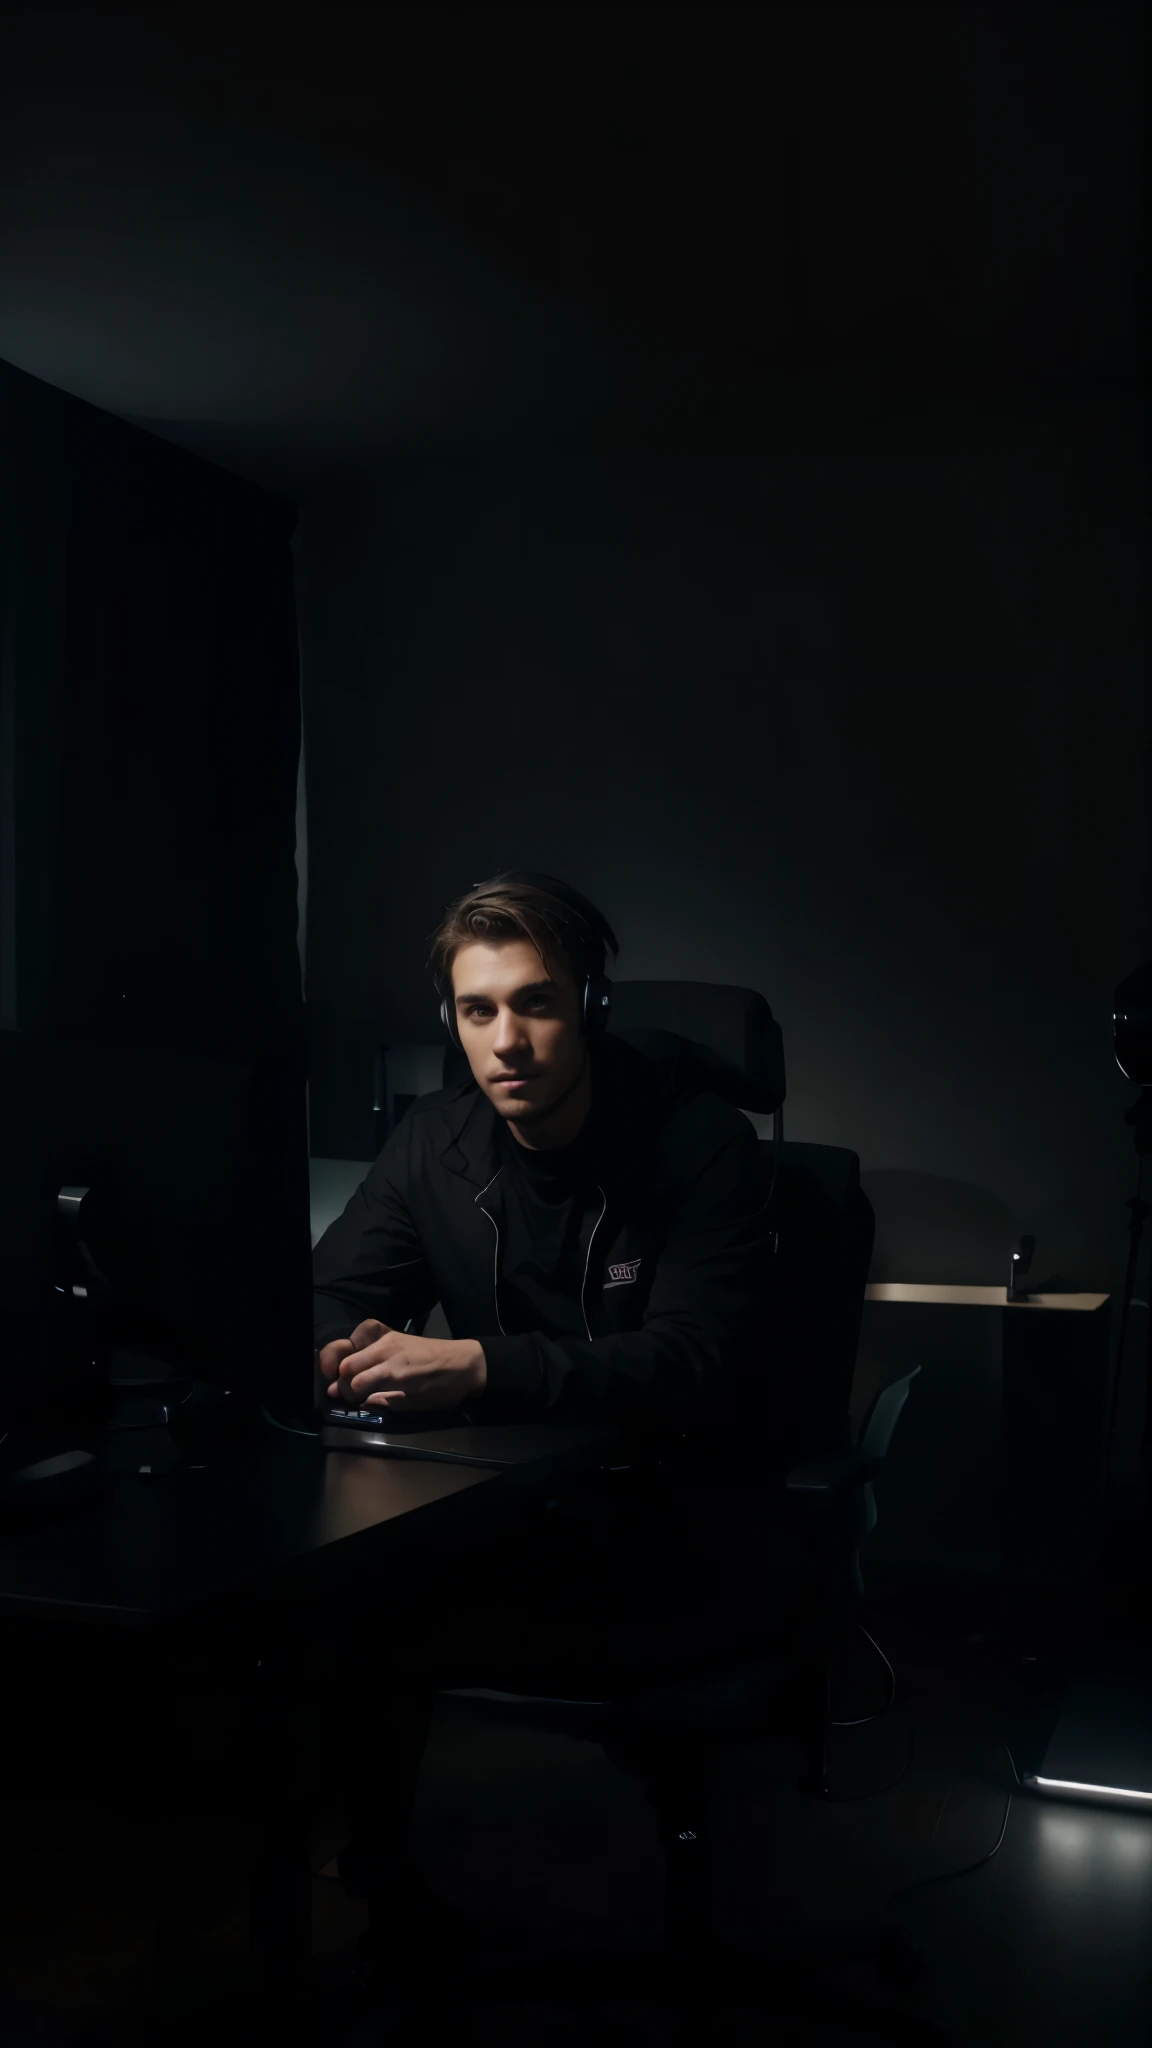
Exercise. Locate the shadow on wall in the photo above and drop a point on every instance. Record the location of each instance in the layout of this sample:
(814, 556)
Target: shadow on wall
(929, 1228)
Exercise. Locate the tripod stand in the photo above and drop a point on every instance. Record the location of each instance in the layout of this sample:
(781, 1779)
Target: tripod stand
(1100, 1749)
(1140, 1116)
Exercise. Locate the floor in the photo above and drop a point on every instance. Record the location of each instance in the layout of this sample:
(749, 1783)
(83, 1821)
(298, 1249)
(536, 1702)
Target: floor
(1047, 1941)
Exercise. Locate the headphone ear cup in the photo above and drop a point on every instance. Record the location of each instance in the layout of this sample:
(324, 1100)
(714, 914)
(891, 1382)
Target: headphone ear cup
(597, 1005)
(449, 1022)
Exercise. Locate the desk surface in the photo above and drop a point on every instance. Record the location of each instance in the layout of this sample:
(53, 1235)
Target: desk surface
(152, 1550)
(976, 1297)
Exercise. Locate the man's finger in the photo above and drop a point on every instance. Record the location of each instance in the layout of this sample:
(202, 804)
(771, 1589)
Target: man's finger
(385, 1397)
(359, 1361)
(353, 1366)
(369, 1332)
(393, 1376)
(378, 1379)
(331, 1355)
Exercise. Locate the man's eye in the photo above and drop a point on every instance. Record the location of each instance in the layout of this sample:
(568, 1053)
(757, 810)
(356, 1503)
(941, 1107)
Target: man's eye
(479, 1009)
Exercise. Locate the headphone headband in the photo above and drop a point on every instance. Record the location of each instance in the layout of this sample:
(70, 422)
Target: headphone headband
(599, 936)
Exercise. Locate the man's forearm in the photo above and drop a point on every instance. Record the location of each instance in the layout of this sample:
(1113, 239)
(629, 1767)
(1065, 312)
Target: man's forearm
(472, 1352)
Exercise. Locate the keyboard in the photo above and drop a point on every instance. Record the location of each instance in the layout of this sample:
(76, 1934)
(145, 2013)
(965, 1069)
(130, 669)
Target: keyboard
(393, 1423)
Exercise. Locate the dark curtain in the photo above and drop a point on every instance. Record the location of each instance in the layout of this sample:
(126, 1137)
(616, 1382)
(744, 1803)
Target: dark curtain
(149, 743)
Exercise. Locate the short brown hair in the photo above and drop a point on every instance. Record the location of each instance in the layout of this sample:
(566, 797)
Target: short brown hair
(497, 910)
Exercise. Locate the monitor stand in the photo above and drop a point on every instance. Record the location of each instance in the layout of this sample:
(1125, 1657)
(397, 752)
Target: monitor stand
(141, 1415)
(164, 1413)
(145, 1391)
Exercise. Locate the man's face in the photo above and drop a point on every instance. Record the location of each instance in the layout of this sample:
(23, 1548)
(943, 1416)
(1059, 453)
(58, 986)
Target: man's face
(515, 1019)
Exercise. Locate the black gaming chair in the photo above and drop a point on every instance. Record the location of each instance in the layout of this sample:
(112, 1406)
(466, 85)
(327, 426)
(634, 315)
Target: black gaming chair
(665, 1733)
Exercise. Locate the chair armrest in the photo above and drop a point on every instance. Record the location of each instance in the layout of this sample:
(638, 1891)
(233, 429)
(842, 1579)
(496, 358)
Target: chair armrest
(831, 1475)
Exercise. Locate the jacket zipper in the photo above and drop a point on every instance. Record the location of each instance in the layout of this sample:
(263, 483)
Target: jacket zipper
(588, 1260)
(495, 1252)
(496, 1255)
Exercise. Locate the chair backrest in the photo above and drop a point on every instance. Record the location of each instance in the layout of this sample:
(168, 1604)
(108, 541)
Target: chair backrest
(875, 1437)
(798, 1392)
(734, 1040)
(883, 1415)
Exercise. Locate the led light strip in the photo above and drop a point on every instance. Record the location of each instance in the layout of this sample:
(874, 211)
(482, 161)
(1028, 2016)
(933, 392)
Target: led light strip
(1101, 1791)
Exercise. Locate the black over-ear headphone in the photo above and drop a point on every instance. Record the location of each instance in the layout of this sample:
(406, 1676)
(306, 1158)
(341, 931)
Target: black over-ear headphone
(590, 936)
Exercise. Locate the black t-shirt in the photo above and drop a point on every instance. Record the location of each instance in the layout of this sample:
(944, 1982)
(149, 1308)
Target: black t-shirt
(547, 1197)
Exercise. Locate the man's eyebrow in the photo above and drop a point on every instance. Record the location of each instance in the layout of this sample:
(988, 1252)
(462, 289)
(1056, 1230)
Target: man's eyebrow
(530, 988)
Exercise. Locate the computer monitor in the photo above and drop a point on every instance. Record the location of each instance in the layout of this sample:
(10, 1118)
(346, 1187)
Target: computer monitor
(196, 1217)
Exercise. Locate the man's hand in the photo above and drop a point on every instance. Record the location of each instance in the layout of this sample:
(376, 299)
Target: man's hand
(378, 1367)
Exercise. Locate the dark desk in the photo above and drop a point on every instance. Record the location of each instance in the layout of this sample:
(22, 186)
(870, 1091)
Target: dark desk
(215, 1558)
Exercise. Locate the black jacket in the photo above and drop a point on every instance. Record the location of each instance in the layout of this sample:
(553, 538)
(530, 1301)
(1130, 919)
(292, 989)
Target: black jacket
(675, 1240)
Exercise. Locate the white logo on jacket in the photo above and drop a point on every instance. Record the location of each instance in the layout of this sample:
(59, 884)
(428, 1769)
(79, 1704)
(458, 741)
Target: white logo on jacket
(623, 1274)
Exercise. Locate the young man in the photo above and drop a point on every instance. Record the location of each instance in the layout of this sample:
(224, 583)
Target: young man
(596, 1227)
(595, 1224)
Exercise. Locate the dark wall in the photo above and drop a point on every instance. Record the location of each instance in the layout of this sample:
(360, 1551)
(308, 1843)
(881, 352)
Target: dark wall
(149, 678)
(849, 708)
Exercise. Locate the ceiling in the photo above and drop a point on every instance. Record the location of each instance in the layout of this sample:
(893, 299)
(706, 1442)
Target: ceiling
(296, 238)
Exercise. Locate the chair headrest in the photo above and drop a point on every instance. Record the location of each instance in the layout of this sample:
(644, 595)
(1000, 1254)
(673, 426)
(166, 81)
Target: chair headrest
(729, 1034)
